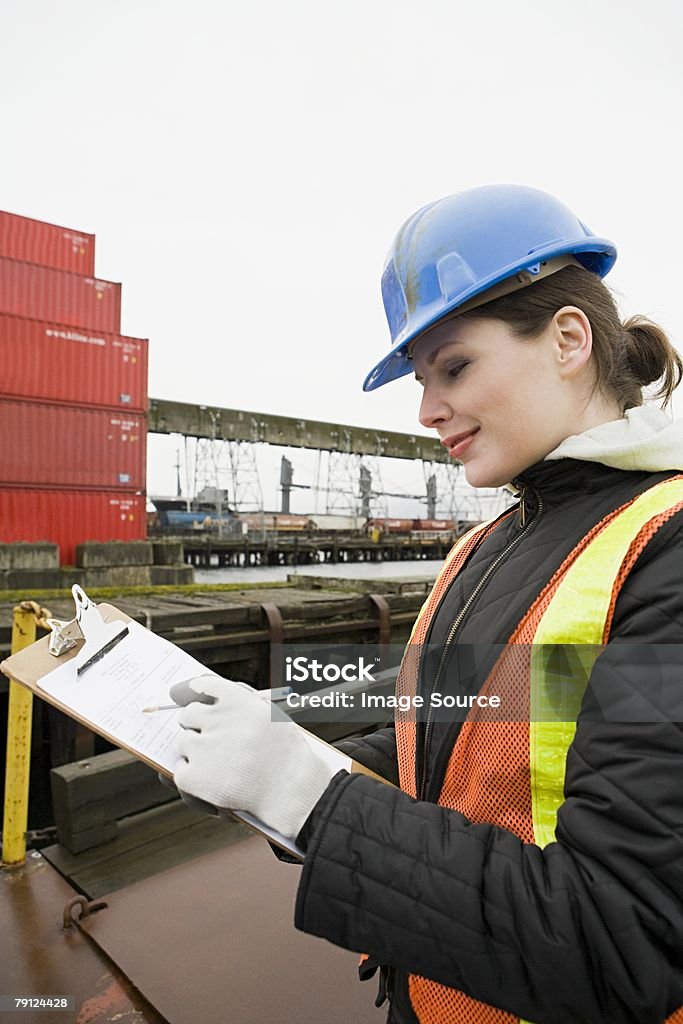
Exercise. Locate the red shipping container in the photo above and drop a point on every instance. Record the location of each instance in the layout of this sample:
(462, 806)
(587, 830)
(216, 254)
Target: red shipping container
(50, 362)
(59, 446)
(70, 517)
(42, 293)
(22, 238)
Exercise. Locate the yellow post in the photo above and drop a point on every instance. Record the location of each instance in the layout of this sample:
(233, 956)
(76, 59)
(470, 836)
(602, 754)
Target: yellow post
(18, 765)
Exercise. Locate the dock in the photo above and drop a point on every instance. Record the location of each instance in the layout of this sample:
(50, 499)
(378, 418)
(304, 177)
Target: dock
(231, 631)
(137, 887)
(210, 940)
(210, 551)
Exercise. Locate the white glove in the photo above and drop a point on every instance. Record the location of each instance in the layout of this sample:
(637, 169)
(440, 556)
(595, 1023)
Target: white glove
(242, 753)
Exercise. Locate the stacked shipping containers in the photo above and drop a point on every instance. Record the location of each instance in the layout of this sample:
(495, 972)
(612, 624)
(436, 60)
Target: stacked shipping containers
(73, 394)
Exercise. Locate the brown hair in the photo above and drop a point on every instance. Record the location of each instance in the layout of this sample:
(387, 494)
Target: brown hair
(627, 356)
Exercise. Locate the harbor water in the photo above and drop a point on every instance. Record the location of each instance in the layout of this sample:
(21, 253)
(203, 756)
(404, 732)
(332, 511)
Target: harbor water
(343, 570)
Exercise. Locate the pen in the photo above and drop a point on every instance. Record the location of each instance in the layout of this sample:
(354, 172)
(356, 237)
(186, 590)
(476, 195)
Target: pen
(277, 693)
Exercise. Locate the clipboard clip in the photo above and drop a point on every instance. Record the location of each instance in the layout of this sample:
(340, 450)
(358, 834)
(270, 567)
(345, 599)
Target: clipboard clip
(100, 636)
(63, 636)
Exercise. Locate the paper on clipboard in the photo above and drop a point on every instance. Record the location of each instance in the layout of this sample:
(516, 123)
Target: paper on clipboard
(112, 694)
(137, 674)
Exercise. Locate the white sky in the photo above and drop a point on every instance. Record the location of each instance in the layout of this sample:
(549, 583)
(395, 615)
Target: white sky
(245, 167)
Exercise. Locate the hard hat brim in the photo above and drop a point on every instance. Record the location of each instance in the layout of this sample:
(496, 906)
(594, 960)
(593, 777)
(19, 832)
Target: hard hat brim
(597, 255)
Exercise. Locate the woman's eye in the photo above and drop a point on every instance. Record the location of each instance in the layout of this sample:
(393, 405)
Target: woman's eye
(454, 371)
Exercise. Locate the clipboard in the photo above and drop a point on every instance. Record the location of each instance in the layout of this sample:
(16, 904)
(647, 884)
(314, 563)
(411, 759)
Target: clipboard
(92, 648)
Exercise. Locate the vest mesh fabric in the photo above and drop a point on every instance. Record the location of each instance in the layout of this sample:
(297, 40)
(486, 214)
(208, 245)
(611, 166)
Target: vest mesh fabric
(479, 782)
(407, 677)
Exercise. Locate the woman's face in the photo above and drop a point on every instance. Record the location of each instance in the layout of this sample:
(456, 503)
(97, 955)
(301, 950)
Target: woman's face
(498, 402)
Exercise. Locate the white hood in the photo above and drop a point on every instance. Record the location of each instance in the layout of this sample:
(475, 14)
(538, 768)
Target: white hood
(645, 439)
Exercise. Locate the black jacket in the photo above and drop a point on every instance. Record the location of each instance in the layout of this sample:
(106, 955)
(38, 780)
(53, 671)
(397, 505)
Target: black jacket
(590, 928)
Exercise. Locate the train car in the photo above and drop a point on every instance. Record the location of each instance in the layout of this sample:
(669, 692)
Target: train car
(440, 525)
(329, 523)
(434, 531)
(423, 530)
(392, 525)
(274, 522)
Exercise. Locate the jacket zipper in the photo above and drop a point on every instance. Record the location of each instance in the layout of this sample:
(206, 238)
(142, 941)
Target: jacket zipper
(525, 526)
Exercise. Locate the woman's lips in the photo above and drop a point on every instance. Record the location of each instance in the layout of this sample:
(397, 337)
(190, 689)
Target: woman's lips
(458, 443)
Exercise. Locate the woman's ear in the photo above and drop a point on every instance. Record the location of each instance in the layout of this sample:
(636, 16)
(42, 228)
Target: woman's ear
(572, 340)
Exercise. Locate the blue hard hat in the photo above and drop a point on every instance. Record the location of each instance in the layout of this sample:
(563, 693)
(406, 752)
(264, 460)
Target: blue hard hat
(461, 246)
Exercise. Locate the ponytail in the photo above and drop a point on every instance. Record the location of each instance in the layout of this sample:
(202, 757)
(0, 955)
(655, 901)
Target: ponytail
(651, 358)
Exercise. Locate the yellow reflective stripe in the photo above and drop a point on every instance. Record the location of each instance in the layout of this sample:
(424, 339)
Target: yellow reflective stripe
(555, 700)
(578, 612)
(576, 617)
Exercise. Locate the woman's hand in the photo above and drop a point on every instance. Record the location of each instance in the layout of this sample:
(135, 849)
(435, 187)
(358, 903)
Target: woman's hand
(242, 753)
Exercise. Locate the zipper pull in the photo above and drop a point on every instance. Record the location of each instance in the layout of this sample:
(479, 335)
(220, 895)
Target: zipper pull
(522, 508)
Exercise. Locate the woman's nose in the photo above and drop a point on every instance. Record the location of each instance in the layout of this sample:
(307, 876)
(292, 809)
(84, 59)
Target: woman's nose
(434, 410)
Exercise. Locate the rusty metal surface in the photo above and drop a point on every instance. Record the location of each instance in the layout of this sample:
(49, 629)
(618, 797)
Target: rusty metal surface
(213, 941)
(39, 957)
(383, 617)
(276, 627)
(271, 657)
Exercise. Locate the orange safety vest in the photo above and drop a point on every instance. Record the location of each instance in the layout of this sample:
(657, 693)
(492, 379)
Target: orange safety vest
(575, 608)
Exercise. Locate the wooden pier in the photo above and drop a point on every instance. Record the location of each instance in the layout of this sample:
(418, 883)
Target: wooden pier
(231, 631)
(308, 548)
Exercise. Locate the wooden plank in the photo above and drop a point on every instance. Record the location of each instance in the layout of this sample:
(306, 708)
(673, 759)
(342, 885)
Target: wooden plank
(147, 843)
(89, 796)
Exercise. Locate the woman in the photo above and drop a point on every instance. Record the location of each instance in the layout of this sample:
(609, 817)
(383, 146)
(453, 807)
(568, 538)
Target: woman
(530, 866)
